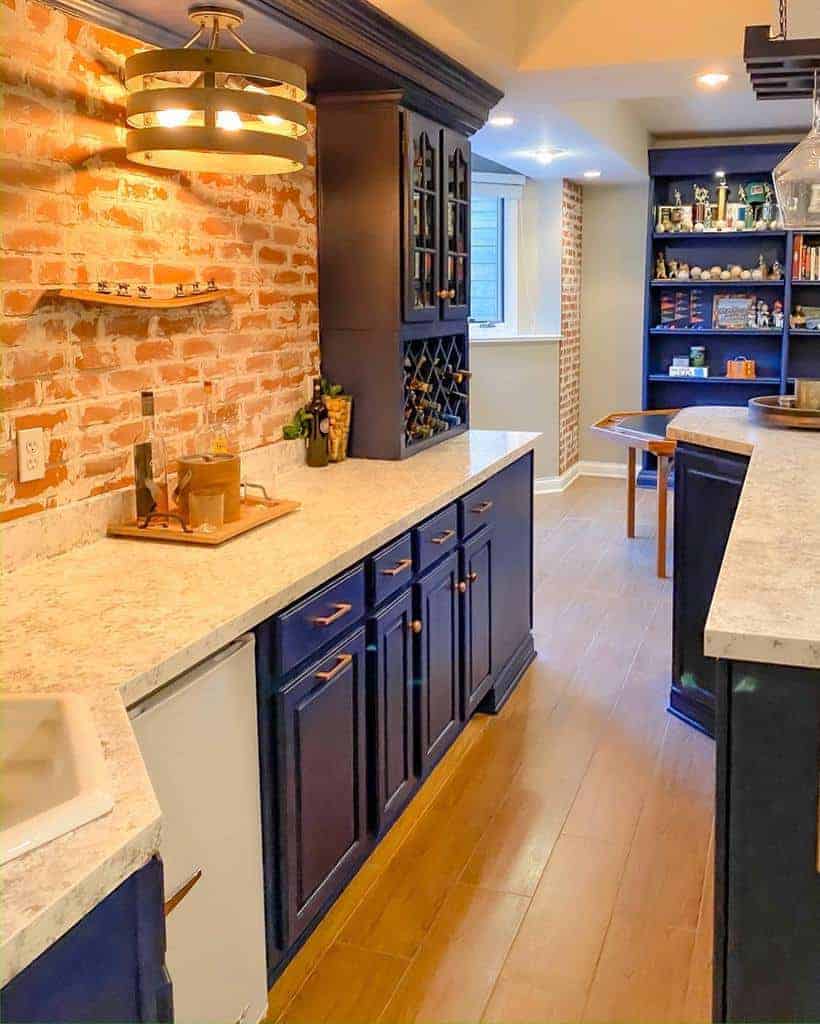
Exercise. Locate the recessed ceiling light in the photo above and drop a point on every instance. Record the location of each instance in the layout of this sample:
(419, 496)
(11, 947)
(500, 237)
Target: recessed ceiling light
(592, 174)
(546, 156)
(501, 121)
(713, 79)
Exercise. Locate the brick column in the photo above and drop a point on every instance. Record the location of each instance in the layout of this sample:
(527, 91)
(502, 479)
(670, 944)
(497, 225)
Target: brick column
(569, 360)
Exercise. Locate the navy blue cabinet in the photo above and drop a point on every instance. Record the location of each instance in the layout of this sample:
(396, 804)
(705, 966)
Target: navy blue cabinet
(110, 967)
(323, 783)
(511, 494)
(438, 685)
(477, 618)
(707, 490)
(390, 711)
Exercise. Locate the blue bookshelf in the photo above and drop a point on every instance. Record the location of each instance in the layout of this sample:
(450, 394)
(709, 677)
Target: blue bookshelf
(780, 354)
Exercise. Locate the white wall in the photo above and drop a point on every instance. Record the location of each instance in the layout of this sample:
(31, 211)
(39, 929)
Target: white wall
(539, 258)
(515, 387)
(612, 295)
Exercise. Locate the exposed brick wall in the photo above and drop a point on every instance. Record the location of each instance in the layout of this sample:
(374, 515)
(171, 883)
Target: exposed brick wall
(75, 211)
(569, 359)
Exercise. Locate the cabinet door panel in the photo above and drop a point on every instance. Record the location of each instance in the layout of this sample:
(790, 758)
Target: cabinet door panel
(390, 700)
(455, 220)
(707, 491)
(322, 730)
(437, 607)
(477, 574)
(421, 142)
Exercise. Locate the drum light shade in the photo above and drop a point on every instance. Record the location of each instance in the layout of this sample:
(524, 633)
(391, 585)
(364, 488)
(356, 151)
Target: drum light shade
(210, 109)
(797, 178)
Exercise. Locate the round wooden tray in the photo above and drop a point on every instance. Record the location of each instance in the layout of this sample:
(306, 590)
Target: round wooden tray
(768, 411)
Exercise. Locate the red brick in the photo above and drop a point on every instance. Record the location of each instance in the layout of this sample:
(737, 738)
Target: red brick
(150, 351)
(16, 269)
(176, 373)
(165, 273)
(96, 357)
(270, 255)
(105, 412)
(20, 303)
(15, 396)
(54, 476)
(131, 380)
(25, 363)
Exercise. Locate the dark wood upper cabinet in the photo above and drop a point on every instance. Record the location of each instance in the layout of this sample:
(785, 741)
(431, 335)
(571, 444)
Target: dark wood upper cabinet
(422, 228)
(456, 194)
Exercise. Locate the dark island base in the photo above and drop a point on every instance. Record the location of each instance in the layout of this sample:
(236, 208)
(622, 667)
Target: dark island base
(767, 884)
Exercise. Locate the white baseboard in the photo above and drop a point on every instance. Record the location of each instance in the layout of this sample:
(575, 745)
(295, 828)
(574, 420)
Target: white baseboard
(585, 467)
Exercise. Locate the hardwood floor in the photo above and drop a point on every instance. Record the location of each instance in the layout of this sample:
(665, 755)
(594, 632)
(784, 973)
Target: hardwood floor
(557, 866)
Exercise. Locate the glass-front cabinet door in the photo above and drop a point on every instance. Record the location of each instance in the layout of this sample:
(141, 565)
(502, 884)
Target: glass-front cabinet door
(455, 273)
(422, 249)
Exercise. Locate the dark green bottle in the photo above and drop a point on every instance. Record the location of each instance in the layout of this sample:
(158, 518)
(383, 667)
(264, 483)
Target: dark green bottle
(318, 428)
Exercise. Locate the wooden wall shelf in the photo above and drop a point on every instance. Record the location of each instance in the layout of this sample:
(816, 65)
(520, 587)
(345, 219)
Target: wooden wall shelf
(135, 302)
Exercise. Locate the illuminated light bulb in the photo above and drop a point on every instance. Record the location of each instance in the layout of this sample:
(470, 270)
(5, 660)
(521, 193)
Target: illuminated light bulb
(501, 121)
(592, 174)
(228, 120)
(172, 118)
(713, 79)
(272, 119)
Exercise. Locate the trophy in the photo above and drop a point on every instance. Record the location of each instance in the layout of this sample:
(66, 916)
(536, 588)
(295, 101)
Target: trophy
(702, 207)
(722, 198)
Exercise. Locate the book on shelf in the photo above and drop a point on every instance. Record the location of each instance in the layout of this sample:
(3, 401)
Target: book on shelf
(805, 259)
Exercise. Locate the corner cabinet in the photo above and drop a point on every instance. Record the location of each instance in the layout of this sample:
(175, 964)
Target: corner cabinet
(707, 491)
(394, 248)
(365, 683)
(110, 967)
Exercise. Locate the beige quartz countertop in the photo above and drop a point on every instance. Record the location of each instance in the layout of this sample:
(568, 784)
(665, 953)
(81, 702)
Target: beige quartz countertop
(766, 606)
(117, 619)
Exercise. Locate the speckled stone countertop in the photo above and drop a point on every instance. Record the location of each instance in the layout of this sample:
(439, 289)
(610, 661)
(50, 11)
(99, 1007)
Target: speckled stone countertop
(766, 606)
(117, 619)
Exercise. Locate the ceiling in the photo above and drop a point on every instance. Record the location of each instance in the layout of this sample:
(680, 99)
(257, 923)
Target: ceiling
(603, 86)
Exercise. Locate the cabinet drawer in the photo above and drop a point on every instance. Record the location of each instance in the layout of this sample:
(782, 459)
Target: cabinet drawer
(435, 537)
(390, 569)
(478, 508)
(308, 626)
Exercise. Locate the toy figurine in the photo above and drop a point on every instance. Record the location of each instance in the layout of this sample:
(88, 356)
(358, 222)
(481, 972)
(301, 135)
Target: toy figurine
(677, 197)
(122, 288)
(798, 318)
(751, 318)
(701, 206)
(683, 272)
(660, 268)
(211, 285)
(760, 271)
(696, 273)
(763, 316)
(180, 291)
(776, 272)
(142, 290)
(102, 288)
(672, 270)
(195, 289)
(777, 314)
(735, 271)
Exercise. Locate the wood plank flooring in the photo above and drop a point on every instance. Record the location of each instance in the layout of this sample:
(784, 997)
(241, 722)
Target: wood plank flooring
(557, 864)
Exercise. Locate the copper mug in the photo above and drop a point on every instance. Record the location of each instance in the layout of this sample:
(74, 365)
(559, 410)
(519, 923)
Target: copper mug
(807, 393)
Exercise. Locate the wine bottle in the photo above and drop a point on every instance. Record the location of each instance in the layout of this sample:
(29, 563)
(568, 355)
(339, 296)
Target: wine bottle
(318, 427)
(150, 463)
(458, 375)
(419, 385)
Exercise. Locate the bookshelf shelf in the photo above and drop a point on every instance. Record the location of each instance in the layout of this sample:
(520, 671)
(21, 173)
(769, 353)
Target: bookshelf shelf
(697, 283)
(780, 354)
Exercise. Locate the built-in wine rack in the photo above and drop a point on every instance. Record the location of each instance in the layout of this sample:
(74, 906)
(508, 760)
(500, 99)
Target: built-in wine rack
(436, 388)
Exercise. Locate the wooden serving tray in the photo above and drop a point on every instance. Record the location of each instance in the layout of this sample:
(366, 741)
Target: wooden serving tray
(768, 411)
(253, 512)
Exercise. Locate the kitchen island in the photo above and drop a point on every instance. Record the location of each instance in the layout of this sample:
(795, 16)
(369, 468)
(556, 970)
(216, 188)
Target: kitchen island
(117, 620)
(747, 662)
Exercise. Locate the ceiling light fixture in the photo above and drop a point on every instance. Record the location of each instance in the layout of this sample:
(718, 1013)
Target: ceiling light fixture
(713, 79)
(797, 177)
(211, 109)
(501, 121)
(592, 174)
(546, 156)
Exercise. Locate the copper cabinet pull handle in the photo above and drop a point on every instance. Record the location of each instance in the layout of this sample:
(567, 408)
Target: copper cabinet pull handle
(442, 293)
(343, 660)
(327, 620)
(472, 577)
(415, 626)
(451, 294)
(461, 587)
(483, 506)
(181, 893)
(400, 566)
(444, 537)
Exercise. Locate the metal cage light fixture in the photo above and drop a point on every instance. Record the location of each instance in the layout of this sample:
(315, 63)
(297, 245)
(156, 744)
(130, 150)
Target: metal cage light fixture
(228, 111)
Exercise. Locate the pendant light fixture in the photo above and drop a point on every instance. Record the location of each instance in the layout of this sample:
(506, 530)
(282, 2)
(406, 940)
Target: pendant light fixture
(797, 177)
(227, 111)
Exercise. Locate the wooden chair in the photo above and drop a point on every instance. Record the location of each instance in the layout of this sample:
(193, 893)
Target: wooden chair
(645, 431)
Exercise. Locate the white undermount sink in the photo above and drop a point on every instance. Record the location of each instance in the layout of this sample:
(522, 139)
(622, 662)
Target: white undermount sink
(53, 776)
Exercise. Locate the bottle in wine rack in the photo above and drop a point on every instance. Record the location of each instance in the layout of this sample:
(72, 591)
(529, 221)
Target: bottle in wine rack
(457, 395)
(456, 376)
(450, 420)
(414, 384)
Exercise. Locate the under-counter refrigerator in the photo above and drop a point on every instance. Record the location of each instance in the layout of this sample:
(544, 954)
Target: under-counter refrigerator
(198, 736)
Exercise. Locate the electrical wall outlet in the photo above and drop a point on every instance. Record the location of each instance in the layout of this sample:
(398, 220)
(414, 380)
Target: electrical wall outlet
(31, 454)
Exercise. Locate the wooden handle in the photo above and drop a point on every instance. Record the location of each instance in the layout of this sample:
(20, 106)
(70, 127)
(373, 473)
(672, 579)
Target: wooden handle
(327, 620)
(415, 626)
(342, 661)
(461, 587)
(400, 566)
(482, 507)
(444, 537)
(182, 892)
